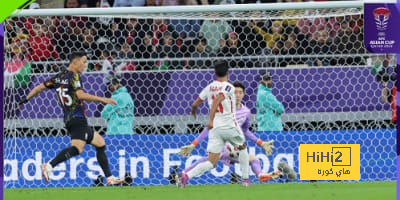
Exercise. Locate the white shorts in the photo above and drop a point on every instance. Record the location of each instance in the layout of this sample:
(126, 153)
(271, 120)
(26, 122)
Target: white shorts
(218, 136)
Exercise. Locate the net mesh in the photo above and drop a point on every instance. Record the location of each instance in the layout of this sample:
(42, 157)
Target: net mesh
(330, 85)
(249, 39)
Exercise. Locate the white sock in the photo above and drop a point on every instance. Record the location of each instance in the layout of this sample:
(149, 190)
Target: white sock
(244, 163)
(200, 169)
(49, 167)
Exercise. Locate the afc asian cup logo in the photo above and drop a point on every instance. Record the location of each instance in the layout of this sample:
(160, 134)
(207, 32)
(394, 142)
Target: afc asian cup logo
(381, 15)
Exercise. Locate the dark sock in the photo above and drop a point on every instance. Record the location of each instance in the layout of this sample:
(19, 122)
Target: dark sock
(64, 155)
(103, 161)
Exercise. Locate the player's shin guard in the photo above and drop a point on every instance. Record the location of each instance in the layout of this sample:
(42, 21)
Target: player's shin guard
(103, 161)
(64, 155)
(200, 169)
(244, 163)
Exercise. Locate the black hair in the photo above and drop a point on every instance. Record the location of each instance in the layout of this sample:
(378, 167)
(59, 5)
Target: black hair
(79, 3)
(116, 80)
(77, 54)
(221, 68)
(238, 84)
(200, 40)
(265, 76)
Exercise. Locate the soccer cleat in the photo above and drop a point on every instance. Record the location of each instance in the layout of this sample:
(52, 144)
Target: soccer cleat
(270, 176)
(114, 181)
(246, 182)
(46, 171)
(264, 177)
(183, 180)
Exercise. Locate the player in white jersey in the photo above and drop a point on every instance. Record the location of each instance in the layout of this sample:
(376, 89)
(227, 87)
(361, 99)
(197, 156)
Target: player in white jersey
(222, 124)
(229, 154)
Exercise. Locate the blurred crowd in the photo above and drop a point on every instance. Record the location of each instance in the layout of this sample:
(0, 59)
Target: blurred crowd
(129, 44)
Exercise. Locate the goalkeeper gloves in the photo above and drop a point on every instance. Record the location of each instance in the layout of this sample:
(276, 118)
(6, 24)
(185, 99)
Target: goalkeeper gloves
(186, 150)
(268, 146)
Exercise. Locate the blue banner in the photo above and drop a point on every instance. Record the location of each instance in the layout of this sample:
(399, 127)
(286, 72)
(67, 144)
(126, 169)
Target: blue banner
(150, 158)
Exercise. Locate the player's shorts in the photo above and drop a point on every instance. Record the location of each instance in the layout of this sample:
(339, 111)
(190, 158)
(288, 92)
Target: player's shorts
(218, 136)
(79, 129)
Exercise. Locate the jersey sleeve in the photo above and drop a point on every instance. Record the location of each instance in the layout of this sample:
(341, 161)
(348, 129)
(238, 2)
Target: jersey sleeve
(203, 94)
(246, 124)
(50, 83)
(250, 136)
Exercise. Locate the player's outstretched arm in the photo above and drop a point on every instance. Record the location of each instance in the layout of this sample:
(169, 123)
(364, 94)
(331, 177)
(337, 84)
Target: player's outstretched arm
(250, 136)
(109, 109)
(195, 105)
(88, 97)
(35, 91)
(266, 145)
(201, 136)
(187, 149)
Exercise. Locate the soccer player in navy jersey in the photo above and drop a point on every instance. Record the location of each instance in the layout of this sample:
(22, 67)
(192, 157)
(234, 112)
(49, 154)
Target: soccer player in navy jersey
(70, 94)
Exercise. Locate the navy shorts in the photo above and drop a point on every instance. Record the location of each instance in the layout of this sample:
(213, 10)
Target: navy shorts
(79, 129)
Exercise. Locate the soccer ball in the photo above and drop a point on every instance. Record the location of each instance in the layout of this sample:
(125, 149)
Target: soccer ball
(232, 151)
(289, 172)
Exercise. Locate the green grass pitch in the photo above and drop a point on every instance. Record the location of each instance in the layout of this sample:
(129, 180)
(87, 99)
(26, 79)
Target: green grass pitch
(291, 191)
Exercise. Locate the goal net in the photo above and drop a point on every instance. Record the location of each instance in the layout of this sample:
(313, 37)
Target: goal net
(330, 86)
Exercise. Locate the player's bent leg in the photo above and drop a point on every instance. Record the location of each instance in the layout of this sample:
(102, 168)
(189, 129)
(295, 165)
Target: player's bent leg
(98, 140)
(214, 147)
(244, 164)
(238, 141)
(202, 159)
(255, 165)
(78, 144)
(262, 177)
(213, 158)
(199, 169)
(100, 144)
(256, 168)
(46, 171)
(65, 154)
(178, 177)
(252, 158)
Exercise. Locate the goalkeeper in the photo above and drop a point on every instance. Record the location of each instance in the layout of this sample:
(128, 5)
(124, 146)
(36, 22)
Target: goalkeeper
(227, 157)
